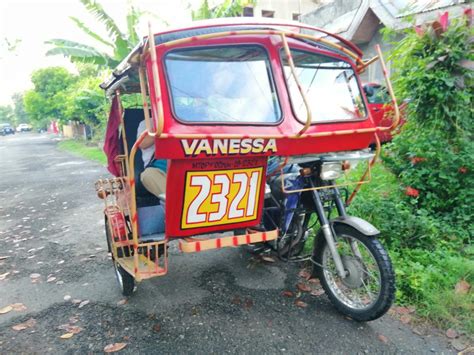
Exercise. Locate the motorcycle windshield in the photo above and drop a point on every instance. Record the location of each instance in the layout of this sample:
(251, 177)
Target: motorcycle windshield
(330, 85)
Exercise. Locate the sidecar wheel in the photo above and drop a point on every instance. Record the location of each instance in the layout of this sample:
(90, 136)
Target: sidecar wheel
(125, 280)
(368, 290)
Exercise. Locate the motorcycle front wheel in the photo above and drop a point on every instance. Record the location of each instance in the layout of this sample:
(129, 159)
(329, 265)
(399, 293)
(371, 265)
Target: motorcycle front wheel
(368, 289)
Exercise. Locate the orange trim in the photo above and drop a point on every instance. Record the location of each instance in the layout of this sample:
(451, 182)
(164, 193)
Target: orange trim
(188, 245)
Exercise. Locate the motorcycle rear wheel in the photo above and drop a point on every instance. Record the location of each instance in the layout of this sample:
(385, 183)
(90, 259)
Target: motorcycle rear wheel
(368, 290)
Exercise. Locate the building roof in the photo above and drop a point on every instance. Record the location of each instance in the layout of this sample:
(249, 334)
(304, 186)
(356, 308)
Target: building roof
(357, 20)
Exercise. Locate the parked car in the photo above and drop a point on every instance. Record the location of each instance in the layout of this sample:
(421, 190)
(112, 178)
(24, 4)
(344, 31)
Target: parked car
(5, 129)
(381, 109)
(23, 127)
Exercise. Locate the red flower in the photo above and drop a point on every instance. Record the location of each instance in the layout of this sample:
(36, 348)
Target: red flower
(444, 21)
(462, 170)
(416, 160)
(419, 31)
(412, 192)
(468, 14)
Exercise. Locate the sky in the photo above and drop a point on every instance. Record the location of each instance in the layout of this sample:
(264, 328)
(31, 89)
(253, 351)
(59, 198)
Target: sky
(33, 22)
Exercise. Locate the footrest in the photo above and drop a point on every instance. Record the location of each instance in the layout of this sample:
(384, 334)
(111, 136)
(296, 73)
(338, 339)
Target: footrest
(146, 260)
(192, 245)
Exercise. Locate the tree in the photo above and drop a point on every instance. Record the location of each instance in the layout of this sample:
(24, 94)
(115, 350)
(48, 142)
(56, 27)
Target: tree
(117, 42)
(228, 8)
(8, 46)
(47, 100)
(86, 102)
(19, 108)
(6, 114)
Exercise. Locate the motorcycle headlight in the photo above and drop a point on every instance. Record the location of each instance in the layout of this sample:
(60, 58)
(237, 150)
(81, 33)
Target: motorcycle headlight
(331, 171)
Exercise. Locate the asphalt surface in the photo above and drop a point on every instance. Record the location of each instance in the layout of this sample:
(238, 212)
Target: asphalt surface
(53, 255)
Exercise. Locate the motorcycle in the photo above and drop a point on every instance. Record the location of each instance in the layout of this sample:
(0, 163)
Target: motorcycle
(352, 265)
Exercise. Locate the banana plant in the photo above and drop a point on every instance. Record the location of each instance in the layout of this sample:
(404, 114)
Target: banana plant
(118, 42)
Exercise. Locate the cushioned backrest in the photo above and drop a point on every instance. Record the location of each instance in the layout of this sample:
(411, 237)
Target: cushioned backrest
(132, 118)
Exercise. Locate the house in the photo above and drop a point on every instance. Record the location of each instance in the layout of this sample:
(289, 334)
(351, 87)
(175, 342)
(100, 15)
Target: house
(283, 9)
(361, 21)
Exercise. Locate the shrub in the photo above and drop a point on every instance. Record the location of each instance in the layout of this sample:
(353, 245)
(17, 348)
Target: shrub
(421, 199)
(432, 156)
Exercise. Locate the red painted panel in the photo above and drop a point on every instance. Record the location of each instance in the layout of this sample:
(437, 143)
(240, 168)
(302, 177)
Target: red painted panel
(176, 205)
(172, 148)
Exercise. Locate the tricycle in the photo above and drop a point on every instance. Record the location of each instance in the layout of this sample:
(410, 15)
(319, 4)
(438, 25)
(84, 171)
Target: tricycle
(253, 127)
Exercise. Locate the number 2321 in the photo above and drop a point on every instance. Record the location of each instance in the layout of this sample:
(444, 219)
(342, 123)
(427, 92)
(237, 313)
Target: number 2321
(221, 197)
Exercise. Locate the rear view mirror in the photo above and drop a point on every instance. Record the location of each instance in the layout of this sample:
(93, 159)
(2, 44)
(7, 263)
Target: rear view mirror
(369, 90)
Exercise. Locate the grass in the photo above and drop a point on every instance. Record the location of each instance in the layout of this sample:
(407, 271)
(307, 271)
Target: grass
(81, 149)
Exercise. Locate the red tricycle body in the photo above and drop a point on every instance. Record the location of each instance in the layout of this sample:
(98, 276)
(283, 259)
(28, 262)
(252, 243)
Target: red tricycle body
(221, 99)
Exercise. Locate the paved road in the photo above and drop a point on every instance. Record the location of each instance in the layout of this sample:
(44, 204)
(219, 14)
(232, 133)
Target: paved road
(214, 302)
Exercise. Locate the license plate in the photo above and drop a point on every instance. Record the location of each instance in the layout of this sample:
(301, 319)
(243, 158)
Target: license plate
(220, 197)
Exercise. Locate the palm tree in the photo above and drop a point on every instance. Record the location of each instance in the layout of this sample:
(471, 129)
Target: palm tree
(228, 8)
(120, 43)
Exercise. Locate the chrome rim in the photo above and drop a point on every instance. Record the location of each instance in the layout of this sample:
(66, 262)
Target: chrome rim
(361, 288)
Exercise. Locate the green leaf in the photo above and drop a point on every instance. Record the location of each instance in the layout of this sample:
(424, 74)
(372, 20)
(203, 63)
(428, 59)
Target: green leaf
(89, 32)
(133, 16)
(98, 11)
(79, 54)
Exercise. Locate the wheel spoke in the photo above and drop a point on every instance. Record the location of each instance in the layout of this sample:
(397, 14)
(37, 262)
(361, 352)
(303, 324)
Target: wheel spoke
(360, 260)
(367, 289)
(364, 270)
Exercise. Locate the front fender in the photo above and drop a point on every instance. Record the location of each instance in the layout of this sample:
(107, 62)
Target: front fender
(357, 223)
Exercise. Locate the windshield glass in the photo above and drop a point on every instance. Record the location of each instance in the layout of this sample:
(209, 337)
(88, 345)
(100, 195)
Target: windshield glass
(222, 84)
(329, 84)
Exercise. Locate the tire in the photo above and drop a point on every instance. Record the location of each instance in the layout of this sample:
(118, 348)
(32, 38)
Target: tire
(108, 237)
(125, 281)
(339, 290)
(297, 231)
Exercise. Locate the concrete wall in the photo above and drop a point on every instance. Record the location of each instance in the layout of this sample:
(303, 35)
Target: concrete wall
(330, 11)
(285, 9)
(374, 72)
(74, 130)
